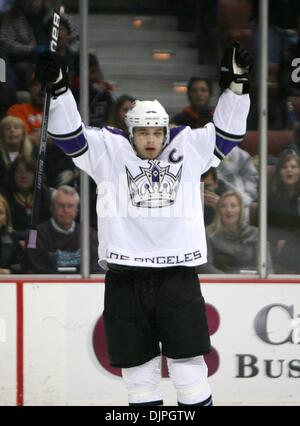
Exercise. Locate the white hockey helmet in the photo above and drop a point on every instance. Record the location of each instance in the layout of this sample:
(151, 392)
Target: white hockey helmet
(147, 114)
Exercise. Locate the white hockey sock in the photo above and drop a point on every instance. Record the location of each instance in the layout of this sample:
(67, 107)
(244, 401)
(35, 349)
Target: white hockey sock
(142, 383)
(189, 376)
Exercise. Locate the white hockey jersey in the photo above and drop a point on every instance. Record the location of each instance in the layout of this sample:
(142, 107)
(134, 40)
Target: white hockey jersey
(149, 211)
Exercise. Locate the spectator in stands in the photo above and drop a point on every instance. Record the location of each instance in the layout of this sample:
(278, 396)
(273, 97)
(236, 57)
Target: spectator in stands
(282, 33)
(31, 113)
(100, 96)
(120, 108)
(284, 202)
(11, 254)
(207, 30)
(199, 112)
(232, 244)
(213, 188)
(239, 173)
(58, 242)
(281, 112)
(5, 5)
(57, 165)
(24, 34)
(283, 16)
(13, 142)
(19, 193)
(295, 146)
(286, 260)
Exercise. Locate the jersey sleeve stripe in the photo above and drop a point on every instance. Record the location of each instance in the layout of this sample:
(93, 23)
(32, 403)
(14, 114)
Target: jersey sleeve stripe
(225, 145)
(74, 144)
(219, 154)
(229, 136)
(80, 152)
(225, 142)
(67, 136)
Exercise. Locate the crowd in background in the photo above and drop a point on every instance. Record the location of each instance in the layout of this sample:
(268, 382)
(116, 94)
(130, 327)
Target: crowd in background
(230, 192)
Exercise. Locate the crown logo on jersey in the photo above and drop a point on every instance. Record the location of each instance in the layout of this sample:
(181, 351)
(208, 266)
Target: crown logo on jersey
(154, 187)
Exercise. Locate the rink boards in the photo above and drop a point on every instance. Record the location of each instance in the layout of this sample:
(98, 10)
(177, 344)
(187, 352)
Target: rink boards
(53, 352)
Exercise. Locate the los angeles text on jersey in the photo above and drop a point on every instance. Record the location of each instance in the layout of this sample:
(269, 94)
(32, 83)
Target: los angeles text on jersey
(157, 260)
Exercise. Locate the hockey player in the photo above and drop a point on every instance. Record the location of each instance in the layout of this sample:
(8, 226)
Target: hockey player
(150, 224)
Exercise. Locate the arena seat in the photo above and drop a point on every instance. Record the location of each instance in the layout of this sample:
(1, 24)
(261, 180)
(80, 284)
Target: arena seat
(277, 141)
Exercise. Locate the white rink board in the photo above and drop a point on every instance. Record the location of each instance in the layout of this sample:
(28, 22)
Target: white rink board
(8, 339)
(238, 306)
(62, 369)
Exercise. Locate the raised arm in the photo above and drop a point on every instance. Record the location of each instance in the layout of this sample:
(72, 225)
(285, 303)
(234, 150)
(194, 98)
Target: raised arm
(217, 139)
(230, 117)
(83, 144)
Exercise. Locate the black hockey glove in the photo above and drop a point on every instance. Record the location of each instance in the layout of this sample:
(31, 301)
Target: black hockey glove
(51, 69)
(236, 66)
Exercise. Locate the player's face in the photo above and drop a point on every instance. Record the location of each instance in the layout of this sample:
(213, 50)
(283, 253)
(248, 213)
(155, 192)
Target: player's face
(230, 211)
(65, 207)
(290, 172)
(148, 141)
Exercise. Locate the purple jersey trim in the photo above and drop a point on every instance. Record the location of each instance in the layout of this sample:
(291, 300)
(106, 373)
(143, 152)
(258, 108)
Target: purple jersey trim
(66, 135)
(116, 131)
(174, 131)
(73, 146)
(225, 145)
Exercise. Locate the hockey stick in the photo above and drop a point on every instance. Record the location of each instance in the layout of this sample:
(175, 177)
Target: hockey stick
(43, 139)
